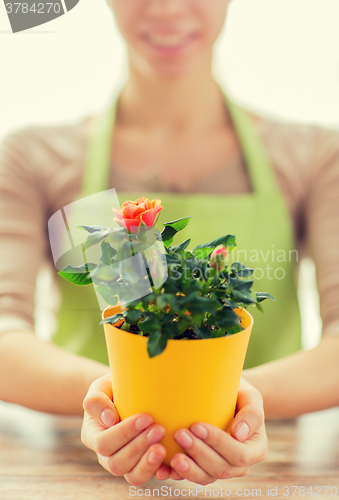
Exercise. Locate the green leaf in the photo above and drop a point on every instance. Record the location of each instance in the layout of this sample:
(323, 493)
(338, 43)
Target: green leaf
(169, 324)
(133, 316)
(195, 285)
(171, 285)
(162, 300)
(203, 252)
(263, 296)
(172, 228)
(107, 293)
(105, 273)
(202, 332)
(135, 304)
(227, 319)
(132, 272)
(113, 319)
(172, 259)
(156, 344)
(78, 275)
(199, 305)
(183, 323)
(235, 282)
(234, 329)
(191, 262)
(242, 293)
(148, 299)
(117, 235)
(95, 238)
(178, 224)
(123, 292)
(217, 332)
(220, 293)
(228, 241)
(167, 299)
(185, 279)
(180, 248)
(231, 303)
(241, 270)
(93, 229)
(124, 251)
(151, 324)
(107, 253)
(240, 284)
(259, 306)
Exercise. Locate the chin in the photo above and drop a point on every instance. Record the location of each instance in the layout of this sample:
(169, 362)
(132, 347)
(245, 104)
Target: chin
(165, 66)
(166, 70)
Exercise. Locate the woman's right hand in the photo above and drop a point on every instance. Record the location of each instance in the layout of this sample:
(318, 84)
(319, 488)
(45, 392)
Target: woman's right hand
(127, 448)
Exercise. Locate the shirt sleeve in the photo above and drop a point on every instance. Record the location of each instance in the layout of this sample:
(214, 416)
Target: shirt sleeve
(41, 171)
(22, 238)
(306, 163)
(322, 223)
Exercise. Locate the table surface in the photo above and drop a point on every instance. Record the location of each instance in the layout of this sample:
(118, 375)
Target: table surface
(42, 458)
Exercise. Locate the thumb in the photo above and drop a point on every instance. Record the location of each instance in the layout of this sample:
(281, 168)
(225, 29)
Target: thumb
(98, 402)
(249, 412)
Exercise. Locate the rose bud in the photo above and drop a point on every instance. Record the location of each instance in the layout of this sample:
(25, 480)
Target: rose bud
(218, 257)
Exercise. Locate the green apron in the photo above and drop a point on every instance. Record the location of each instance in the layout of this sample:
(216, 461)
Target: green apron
(265, 241)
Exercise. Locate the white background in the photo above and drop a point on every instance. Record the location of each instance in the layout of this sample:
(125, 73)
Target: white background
(278, 57)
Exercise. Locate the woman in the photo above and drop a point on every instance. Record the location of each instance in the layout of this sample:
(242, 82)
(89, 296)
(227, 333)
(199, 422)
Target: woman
(171, 125)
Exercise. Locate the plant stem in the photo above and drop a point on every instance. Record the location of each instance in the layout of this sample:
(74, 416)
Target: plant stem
(84, 256)
(148, 271)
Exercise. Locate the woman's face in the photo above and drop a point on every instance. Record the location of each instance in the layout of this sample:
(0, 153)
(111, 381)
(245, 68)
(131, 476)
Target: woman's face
(169, 36)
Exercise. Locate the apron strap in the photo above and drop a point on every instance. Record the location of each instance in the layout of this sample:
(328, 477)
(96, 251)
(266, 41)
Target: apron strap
(258, 162)
(97, 161)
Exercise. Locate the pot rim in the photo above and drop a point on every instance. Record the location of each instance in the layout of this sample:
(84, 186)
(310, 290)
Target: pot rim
(250, 325)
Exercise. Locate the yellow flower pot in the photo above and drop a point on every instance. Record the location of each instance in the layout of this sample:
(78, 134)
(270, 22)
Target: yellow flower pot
(190, 381)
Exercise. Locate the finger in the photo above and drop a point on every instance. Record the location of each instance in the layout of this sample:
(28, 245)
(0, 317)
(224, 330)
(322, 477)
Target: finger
(109, 441)
(206, 457)
(98, 402)
(164, 472)
(250, 412)
(238, 454)
(124, 460)
(189, 470)
(147, 465)
(174, 475)
(89, 431)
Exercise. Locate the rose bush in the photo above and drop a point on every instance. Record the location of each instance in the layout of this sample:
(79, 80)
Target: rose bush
(199, 294)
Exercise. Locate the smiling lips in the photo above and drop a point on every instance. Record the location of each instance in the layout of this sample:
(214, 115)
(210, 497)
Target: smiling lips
(167, 41)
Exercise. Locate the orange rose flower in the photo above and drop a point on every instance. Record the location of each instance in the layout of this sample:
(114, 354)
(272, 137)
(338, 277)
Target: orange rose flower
(133, 212)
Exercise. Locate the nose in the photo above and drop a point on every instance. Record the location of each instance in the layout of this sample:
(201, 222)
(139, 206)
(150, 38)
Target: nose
(166, 8)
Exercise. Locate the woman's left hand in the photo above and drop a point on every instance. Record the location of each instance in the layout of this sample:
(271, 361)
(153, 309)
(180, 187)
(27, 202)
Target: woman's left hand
(213, 453)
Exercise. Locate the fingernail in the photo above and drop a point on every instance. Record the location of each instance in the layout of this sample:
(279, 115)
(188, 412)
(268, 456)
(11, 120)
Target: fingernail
(108, 418)
(175, 475)
(184, 439)
(183, 465)
(241, 431)
(162, 475)
(143, 422)
(200, 431)
(154, 458)
(155, 434)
